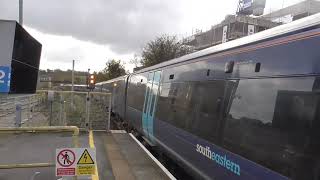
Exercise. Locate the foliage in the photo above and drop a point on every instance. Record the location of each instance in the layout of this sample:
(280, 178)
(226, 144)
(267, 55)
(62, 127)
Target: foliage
(163, 49)
(135, 60)
(112, 70)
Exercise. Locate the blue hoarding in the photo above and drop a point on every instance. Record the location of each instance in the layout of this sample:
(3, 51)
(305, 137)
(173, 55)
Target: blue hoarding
(5, 75)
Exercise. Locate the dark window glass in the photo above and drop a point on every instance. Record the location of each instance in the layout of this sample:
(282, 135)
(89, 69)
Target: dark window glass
(229, 67)
(171, 76)
(192, 106)
(257, 68)
(276, 123)
(136, 94)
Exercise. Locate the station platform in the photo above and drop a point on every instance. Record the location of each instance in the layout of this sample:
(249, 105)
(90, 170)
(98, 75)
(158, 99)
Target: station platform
(119, 155)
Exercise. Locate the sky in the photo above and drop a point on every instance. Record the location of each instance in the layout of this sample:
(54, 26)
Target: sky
(93, 32)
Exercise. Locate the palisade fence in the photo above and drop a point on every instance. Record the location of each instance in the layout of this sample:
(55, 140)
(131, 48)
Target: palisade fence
(56, 108)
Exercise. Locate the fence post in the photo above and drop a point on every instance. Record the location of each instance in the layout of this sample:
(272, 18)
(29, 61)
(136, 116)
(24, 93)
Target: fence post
(50, 97)
(109, 115)
(87, 111)
(18, 115)
(50, 120)
(60, 110)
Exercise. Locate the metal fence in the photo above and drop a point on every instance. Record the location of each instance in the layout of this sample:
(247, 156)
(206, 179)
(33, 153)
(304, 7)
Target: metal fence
(56, 108)
(29, 106)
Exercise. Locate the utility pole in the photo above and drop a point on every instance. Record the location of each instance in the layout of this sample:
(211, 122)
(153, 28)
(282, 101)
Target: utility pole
(21, 12)
(72, 88)
(87, 121)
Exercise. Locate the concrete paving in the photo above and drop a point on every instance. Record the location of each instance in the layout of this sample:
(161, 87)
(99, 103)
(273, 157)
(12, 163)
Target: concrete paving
(118, 156)
(129, 160)
(104, 165)
(33, 148)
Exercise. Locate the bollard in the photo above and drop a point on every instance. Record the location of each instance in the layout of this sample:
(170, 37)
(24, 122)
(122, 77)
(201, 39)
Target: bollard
(18, 115)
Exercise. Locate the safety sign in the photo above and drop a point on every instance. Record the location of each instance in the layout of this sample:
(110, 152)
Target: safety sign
(65, 162)
(86, 165)
(75, 161)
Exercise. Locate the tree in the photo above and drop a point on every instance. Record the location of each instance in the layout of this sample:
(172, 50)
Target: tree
(163, 49)
(135, 60)
(112, 70)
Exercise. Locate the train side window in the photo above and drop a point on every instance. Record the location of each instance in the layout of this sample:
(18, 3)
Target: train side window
(141, 80)
(206, 109)
(229, 67)
(171, 76)
(257, 67)
(193, 107)
(208, 72)
(275, 122)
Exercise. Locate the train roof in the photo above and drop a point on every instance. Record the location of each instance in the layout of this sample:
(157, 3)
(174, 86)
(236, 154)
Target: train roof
(264, 35)
(112, 80)
(8, 20)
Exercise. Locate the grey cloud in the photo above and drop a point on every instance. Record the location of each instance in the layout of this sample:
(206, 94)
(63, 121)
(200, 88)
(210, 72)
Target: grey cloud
(124, 25)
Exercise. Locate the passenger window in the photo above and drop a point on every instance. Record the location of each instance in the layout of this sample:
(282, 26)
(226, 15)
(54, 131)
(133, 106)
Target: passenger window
(275, 122)
(193, 107)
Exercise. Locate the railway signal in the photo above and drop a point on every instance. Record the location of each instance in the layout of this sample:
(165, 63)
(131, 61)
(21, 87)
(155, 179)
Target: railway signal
(91, 81)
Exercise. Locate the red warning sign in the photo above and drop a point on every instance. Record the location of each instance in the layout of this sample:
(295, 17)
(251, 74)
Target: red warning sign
(66, 171)
(66, 158)
(65, 162)
(75, 162)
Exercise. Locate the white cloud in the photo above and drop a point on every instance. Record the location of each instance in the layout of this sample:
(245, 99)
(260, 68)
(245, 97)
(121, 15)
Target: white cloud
(59, 51)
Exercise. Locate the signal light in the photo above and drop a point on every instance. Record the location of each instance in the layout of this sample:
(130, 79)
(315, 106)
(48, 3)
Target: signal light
(91, 81)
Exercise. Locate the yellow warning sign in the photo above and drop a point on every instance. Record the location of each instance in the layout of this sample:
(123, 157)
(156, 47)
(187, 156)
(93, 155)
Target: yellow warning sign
(85, 158)
(86, 170)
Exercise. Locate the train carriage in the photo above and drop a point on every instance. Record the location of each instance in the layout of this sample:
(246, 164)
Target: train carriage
(246, 109)
(117, 87)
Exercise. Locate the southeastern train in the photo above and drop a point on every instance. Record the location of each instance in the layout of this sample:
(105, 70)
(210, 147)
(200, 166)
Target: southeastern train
(247, 109)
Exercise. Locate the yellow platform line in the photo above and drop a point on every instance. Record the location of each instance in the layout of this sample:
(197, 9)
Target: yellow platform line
(91, 144)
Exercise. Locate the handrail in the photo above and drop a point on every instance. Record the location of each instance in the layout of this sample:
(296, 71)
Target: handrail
(31, 165)
(75, 140)
(43, 129)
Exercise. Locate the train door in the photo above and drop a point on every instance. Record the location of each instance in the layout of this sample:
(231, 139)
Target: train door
(149, 107)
